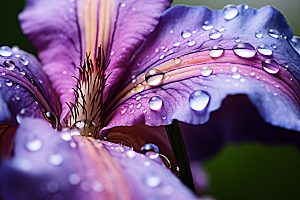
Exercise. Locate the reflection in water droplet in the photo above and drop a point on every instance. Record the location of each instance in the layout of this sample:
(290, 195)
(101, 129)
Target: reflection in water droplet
(199, 100)
(152, 179)
(149, 147)
(5, 51)
(221, 28)
(207, 25)
(74, 179)
(186, 34)
(214, 34)
(155, 103)
(265, 50)
(244, 50)
(85, 127)
(177, 60)
(23, 60)
(154, 77)
(191, 43)
(258, 34)
(270, 66)
(55, 159)
(176, 44)
(237, 39)
(230, 12)
(236, 75)
(9, 64)
(33, 143)
(216, 51)
(206, 71)
(274, 33)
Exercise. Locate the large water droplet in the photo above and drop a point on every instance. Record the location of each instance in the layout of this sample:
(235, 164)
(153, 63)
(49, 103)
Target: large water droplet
(199, 100)
(5, 51)
(152, 179)
(85, 127)
(295, 42)
(55, 159)
(23, 60)
(214, 34)
(154, 77)
(9, 64)
(270, 66)
(221, 28)
(230, 12)
(176, 44)
(191, 43)
(186, 34)
(244, 50)
(207, 25)
(265, 50)
(155, 103)
(33, 143)
(149, 147)
(258, 34)
(216, 51)
(52, 118)
(206, 71)
(274, 33)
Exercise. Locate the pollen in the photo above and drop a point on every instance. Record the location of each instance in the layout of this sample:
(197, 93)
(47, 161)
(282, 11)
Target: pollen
(88, 112)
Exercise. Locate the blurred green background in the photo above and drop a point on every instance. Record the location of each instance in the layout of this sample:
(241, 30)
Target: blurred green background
(243, 172)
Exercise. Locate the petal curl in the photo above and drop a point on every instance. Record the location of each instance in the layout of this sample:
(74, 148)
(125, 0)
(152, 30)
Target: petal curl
(47, 166)
(276, 96)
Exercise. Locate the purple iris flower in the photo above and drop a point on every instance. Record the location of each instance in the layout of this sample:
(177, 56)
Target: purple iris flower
(120, 71)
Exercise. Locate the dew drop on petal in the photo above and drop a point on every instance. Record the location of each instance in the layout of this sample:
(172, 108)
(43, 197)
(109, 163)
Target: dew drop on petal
(162, 56)
(55, 159)
(8, 82)
(152, 179)
(265, 50)
(237, 39)
(138, 105)
(22, 73)
(214, 34)
(149, 147)
(177, 60)
(23, 60)
(236, 75)
(65, 136)
(270, 66)
(123, 4)
(199, 100)
(273, 46)
(191, 43)
(176, 44)
(230, 12)
(52, 118)
(9, 64)
(206, 71)
(244, 50)
(139, 88)
(5, 51)
(207, 25)
(85, 127)
(130, 154)
(274, 33)
(216, 51)
(33, 143)
(155, 103)
(295, 42)
(186, 34)
(233, 69)
(258, 34)
(154, 77)
(221, 28)
(123, 110)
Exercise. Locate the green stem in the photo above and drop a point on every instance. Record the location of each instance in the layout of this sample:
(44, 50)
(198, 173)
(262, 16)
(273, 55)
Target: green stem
(179, 151)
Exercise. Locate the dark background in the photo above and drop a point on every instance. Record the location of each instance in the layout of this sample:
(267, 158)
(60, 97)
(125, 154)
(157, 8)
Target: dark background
(244, 172)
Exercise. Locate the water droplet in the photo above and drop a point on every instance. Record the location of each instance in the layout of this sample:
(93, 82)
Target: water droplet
(206, 71)
(295, 42)
(171, 31)
(132, 111)
(199, 100)
(221, 28)
(252, 74)
(138, 105)
(65, 136)
(230, 12)
(154, 77)
(161, 56)
(5, 51)
(123, 4)
(164, 117)
(130, 154)
(56, 159)
(9, 64)
(123, 110)
(191, 43)
(22, 73)
(246, 6)
(8, 82)
(23, 60)
(33, 143)
(244, 50)
(86, 128)
(152, 179)
(74, 179)
(216, 51)
(186, 34)
(273, 46)
(237, 39)
(144, 111)
(214, 34)
(138, 97)
(207, 25)
(258, 34)
(236, 75)
(139, 88)
(150, 147)
(155, 103)
(270, 66)
(274, 33)
(73, 145)
(52, 118)
(177, 60)
(265, 50)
